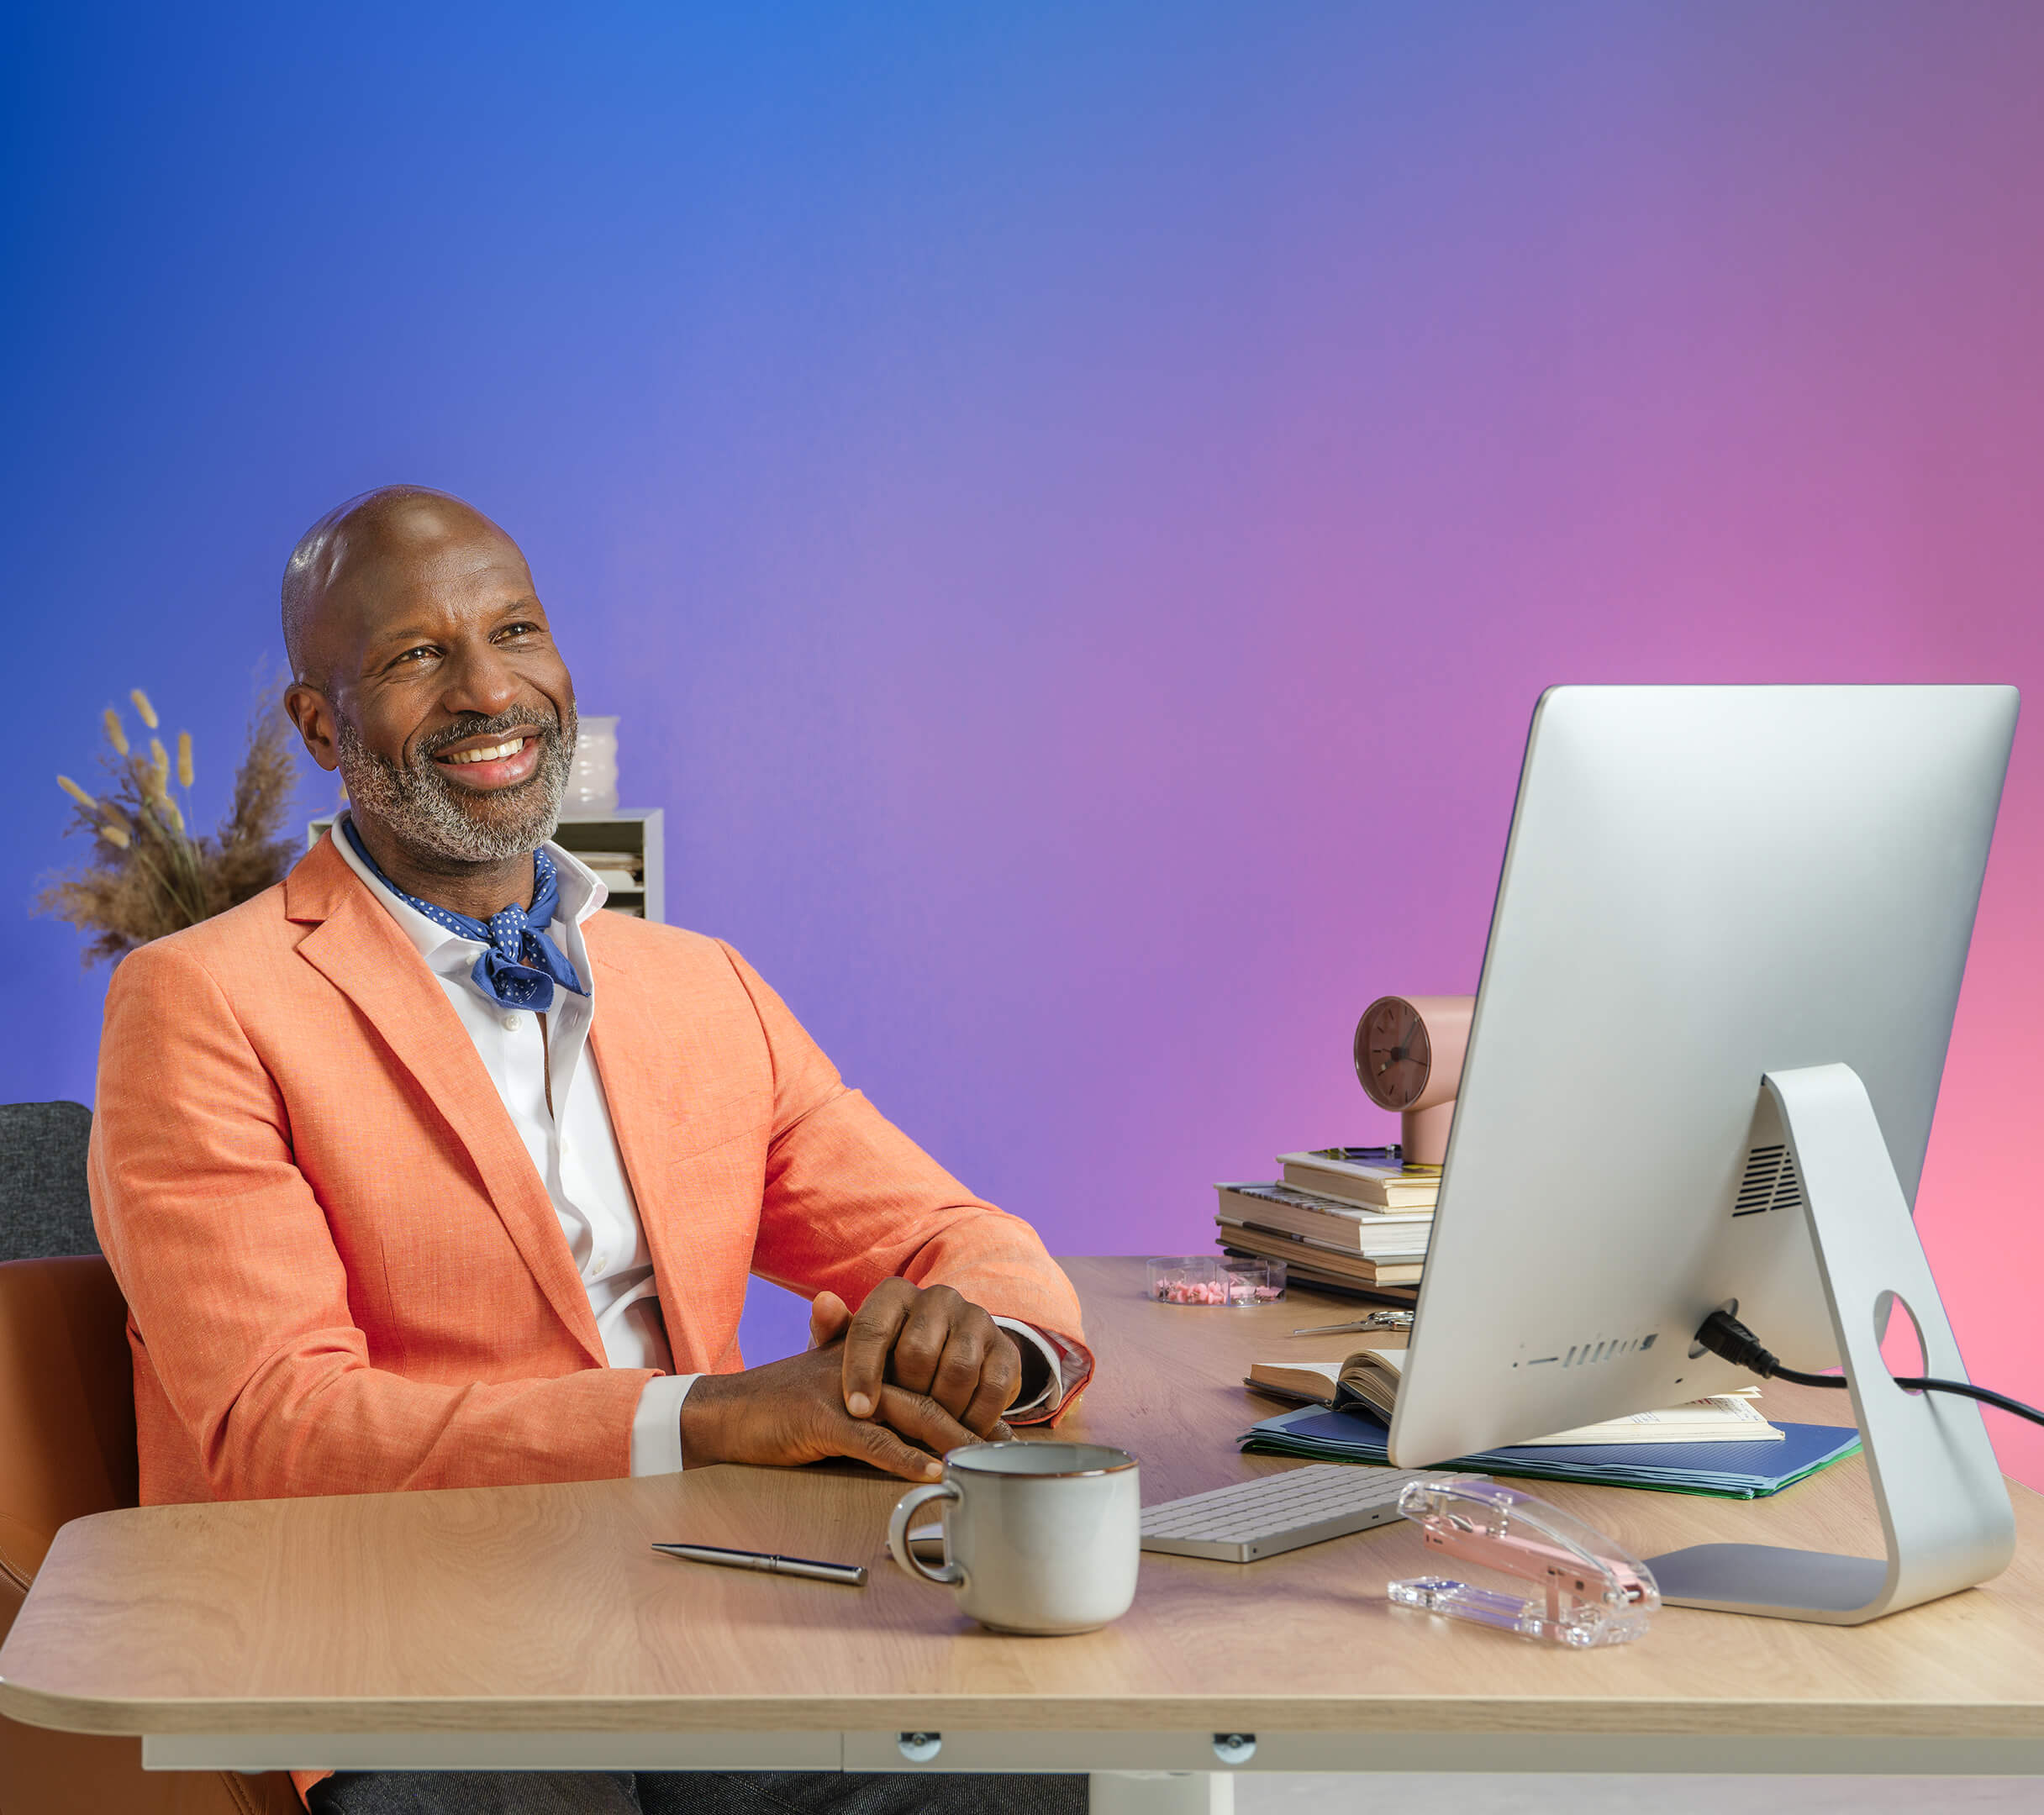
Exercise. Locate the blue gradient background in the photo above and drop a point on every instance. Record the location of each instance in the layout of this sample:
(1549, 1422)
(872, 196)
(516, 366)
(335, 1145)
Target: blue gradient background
(1074, 505)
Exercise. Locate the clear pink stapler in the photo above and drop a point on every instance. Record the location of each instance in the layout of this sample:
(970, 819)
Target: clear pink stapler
(1594, 1592)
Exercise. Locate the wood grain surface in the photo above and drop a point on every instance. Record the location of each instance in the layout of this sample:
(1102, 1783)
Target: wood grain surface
(490, 1610)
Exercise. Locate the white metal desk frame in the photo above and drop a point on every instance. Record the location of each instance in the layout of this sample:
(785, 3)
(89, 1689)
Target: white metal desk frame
(1132, 1773)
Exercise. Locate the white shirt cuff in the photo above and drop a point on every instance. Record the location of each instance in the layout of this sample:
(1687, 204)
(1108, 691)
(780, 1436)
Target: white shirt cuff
(656, 1425)
(1053, 1392)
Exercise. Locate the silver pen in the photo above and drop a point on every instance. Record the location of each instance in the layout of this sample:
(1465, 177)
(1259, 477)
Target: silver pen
(850, 1575)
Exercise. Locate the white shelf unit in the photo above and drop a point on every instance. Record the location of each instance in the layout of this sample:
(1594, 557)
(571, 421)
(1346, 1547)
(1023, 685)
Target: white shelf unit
(634, 833)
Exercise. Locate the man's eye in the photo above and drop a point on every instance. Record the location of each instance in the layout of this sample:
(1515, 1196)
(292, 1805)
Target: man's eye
(519, 629)
(419, 654)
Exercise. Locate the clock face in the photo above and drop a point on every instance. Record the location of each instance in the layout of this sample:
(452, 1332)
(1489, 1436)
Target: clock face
(1393, 1054)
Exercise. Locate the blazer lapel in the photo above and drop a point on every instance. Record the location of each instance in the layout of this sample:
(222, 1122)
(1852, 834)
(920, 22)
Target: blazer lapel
(360, 949)
(653, 1091)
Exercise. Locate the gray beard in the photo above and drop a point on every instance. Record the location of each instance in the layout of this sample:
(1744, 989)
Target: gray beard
(427, 816)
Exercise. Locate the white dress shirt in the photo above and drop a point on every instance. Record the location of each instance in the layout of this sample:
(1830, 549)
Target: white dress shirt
(541, 1067)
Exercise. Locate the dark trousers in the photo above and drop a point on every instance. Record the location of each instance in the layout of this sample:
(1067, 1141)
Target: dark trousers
(694, 1793)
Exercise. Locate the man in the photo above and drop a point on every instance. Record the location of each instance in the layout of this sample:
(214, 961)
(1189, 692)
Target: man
(418, 1171)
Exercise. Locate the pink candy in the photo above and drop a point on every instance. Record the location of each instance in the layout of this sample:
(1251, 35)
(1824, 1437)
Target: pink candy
(1191, 1291)
(1215, 1292)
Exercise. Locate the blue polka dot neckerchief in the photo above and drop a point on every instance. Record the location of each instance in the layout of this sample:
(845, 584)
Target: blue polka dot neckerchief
(519, 964)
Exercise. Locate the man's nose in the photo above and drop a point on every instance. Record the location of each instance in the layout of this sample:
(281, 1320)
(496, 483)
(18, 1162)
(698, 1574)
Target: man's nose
(477, 679)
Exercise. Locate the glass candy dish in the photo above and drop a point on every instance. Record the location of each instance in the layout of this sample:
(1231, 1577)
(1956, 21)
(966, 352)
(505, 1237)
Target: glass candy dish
(1215, 1280)
(1250, 1280)
(1594, 1590)
(1186, 1279)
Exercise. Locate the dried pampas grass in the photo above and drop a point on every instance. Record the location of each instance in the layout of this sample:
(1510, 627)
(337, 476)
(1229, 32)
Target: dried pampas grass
(148, 874)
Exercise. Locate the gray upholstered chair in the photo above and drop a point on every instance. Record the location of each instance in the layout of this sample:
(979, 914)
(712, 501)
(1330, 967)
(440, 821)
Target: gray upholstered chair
(44, 1210)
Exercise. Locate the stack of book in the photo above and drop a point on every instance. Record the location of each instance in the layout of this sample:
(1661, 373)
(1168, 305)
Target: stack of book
(1352, 1217)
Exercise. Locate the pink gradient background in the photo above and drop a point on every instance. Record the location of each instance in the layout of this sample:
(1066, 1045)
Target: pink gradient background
(1075, 509)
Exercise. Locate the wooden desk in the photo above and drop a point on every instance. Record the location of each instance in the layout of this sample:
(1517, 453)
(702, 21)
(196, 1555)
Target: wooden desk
(533, 1625)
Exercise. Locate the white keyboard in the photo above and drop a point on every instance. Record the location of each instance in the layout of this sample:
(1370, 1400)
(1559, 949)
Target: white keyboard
(1279, 1512)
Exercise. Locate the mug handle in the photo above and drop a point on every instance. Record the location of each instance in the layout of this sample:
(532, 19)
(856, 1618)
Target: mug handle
(905, 1508)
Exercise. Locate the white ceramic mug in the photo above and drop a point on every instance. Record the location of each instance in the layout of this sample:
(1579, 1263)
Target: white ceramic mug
(1038, 1537)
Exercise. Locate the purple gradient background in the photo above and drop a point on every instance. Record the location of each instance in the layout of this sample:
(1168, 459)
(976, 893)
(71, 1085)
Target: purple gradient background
(1073, 506)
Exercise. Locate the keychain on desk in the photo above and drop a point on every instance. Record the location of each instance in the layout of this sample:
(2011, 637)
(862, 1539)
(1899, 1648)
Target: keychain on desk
(1595, 1591)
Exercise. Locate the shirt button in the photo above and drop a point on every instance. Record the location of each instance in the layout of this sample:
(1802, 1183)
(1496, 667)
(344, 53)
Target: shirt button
(511, 1023)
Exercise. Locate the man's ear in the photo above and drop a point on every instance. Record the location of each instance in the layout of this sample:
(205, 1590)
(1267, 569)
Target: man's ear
(315, 718)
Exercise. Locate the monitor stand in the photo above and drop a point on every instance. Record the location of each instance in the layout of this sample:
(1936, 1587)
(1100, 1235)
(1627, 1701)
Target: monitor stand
(1945, 1509)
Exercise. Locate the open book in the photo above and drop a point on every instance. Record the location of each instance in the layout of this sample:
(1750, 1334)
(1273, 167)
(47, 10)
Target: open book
(1370, 1378)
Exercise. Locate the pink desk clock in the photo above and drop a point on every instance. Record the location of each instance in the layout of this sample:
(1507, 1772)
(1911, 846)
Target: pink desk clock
(1408, 1059)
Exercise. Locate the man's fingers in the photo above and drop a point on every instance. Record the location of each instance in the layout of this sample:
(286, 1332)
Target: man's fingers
(931, 1343)
(791, 1411)
(869, 1341)
(1000, 1379)
(828, 1314)
(930, 1325)
(870, 1441)
(976, 1343)
(918, 1416)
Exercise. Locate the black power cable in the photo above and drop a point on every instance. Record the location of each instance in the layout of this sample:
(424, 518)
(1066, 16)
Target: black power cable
(1723, 1334)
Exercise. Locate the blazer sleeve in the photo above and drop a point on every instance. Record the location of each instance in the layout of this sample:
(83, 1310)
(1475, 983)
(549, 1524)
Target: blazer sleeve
(236, 1291)
(850, 1200)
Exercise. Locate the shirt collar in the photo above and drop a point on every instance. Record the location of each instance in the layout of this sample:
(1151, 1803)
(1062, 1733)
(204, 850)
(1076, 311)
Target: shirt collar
(580, 895)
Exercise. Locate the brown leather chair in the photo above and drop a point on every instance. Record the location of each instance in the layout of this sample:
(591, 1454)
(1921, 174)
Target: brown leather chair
(67, 1448)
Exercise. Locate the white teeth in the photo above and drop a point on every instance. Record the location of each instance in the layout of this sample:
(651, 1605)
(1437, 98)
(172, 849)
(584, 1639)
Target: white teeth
(496, 753)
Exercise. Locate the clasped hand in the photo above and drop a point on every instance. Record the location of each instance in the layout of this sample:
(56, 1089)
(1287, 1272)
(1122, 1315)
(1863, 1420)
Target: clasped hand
(917, 1372)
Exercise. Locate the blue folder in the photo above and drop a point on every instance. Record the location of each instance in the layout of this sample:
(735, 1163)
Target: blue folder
(1737, 1471)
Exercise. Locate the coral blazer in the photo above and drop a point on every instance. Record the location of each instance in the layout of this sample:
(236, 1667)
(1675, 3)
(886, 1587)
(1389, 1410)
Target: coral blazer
(344, 1274)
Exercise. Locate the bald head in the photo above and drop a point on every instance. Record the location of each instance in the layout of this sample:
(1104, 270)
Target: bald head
(360, 548)
(424, 670)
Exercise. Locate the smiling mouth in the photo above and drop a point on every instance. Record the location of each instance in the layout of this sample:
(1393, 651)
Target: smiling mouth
(508, 759)
(494, 753)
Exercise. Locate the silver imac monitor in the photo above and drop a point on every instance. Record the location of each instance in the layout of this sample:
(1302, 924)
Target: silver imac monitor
(1714, 1010)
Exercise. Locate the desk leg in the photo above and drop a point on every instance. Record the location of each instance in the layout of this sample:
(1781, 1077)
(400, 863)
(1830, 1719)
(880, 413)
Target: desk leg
(1160, 1793)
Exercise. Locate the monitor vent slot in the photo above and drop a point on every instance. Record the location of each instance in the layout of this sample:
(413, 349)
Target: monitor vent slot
(1581, 1355)
(1770, 1182)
